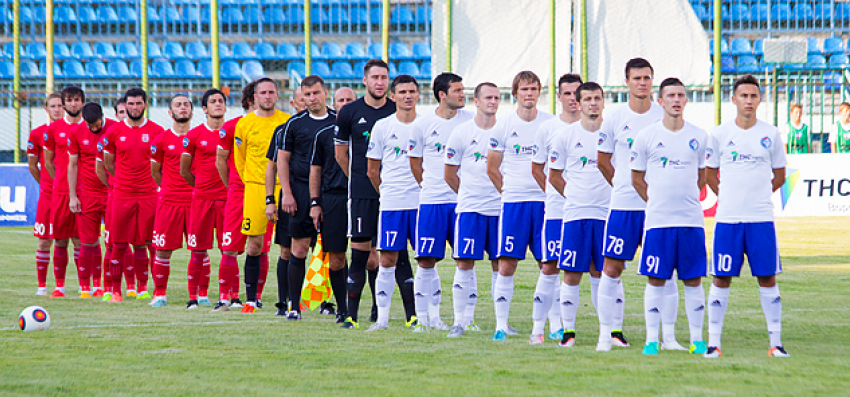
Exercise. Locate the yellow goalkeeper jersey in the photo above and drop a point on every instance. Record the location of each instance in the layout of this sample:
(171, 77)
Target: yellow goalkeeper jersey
(251, 142)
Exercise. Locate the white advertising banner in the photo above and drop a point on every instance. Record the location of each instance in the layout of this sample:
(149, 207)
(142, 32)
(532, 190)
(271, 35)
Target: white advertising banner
(815, 185)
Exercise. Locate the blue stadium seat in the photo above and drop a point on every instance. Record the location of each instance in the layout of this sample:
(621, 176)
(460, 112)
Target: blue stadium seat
(758, 46)
(185, 69)
(74, 70)
(230, 70)
(358, 15)
(161, 68)
(34, 50)
(727, 64)
(128, 14)
(833, 45)
(758, 12)
(274, 16)
(402, 15)
(173, 50)
(64, 15)
(252, 14)
(803, 12)
(97, 70)
(232, 15)
(355, 51)
(839, 61)
(842, 11)
(9, 48)
(265, 50)
(297, 67)
(197, 50)
(780, 12)
(813, 46)
(376, 50)
(136, 68)
(816, 62)
(7, 70)
(702, 12)
(399, 50)
(171, 15)
(358, 68)
(376, 15)
(118, 69)
(421, 50)
(724, 12)
(61, 50)
(322, 69)
(332, 51)
(408, 67)
(85, 14)
(724, 47)
(82, 50)
(40, 15)
(154, 15)
(393, 70)
(253, 69)
(287, 51)
(242, 50)
(739, 12)
(107, 14)
(748, 64)
(740, 46)
(57, 70)
(205, 69)
(314, 51)
(338, 15)
(190, 14)
(423, 15)
(127, 50)
(26, 15)
(154, 50)
(317, 15)
(823, 11)
(29, 70)
(342, 70)
(224, 51)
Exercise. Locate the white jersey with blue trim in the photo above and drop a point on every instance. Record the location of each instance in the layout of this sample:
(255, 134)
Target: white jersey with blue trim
(514, 138)
(428, 139)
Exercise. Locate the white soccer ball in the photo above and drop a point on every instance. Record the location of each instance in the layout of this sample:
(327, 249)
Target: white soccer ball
(34, 318)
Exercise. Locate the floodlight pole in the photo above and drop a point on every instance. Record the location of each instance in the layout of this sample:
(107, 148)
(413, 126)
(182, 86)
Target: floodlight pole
(583, 18)
(48, 44)
(385, 30)
(308, 40)
(16, 84)
(552, 51)
(718, 94)
(143, 39)
(216, 57)
(448, 35)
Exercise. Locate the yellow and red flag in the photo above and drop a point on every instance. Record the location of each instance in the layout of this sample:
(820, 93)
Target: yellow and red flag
(317, 286)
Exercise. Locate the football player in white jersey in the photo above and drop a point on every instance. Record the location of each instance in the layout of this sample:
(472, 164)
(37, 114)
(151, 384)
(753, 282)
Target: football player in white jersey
(478, 204)
(570, 113)
(437, 201)
(624, 227)
(668, 171)
(587, 197)
(389, 171)
(749, 154)
(522, 213)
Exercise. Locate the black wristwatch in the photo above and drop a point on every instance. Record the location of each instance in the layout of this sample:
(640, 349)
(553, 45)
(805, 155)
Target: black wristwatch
(269, 199)
(316, 202)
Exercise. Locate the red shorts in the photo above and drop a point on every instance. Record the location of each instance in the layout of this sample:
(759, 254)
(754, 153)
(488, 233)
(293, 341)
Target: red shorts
(64, 221)
(132, 220)
(233, 239)
(171, 226)
(89, 219)
(43, 224)
(206, 222)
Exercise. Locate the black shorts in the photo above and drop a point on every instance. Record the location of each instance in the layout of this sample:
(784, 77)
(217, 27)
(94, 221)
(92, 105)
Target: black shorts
(281, 230)
(363, 218)
(301, 224)
(334, 227)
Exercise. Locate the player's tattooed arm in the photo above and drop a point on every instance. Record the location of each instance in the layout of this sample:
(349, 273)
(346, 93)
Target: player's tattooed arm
(639, 182)
(539, 175)
(556, 178)
(451, 176)
(604, 163)
(221, 157)
(713, 180)
(778, 178)
(494, 161)
(341, 155)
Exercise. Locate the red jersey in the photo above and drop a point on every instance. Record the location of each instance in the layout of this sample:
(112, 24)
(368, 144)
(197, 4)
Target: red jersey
(200, 143)
(225, 142)
(167, 149)
(35, 148)
(132, 149)
(84, 144)
(56, 140)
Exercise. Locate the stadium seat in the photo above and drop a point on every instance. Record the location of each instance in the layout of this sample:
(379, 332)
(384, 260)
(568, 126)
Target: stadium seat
(358, 69)
(839, 61)
(408, 67)
(833, 45)
(727, 64)
(748, 64)
(7, 70)
(154, 50)
(401, 15)
(253, 69)
(842, 11)
(322, 69)
(136, 68)
(817, 62)
(230, 70)
(173, 50)
(127, 50)
(185, 69)
(118, 69)
(97, 70)
(9, 48)
(376, 50)
(265, 50)
(287, 51)
(40, 15)
(57, 70)
(242, 50)
(813, 46)
(61, 50)
(128, 14)
(399, 50)
(26, 15)
(740, 46)
(342, 70)
(197, 50)
(355, 51)
(297, 67)
(425, 71)
(758, 46)
(232, 15)
(739, 12)
(358, 15)
(393, 70)
(74, 70)
(205, 69)
(85, 14)
(338, 15)
(82, 50)
(154, 15)
(161, 68)
(724, 47)
(803, 12)
(107, 14)
(171, 15)
(702, 12)
(29, 70)
(34, 50)
(190, 14)
(314, 51)
(823, 11)
(64, 15)
(780, 12)
(421, 50)
(423, 15)
(332, 51)
(274, 16)
(759, 13)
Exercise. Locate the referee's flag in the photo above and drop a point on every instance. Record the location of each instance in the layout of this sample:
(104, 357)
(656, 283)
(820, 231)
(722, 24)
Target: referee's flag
(317, 287)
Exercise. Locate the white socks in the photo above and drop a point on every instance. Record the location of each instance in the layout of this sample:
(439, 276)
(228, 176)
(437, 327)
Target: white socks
(436, 299)
(609, 289)
(423, 283)
(594, 292)
(718, 300)
(461, 290)
(771, 303)
(555, 309)
(695, 308)
(469, 313)
(503, 293)
(670, 310)
(542, 301)
(569, 305)
(619, 306)
(653, 297)
(493, 284)
(385, 286)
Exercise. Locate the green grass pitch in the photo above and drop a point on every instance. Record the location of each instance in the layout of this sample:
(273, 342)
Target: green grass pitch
(96, 348)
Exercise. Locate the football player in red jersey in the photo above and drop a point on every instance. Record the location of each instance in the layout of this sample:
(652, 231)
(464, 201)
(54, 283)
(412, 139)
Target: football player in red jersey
(208, 197)
(63, 222)
(87, 193)
(35, 158)
(126, 157)
(171, 225)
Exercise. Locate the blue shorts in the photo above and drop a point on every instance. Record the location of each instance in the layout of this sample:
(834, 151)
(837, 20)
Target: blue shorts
(434, 227)
(581, 244)
(395, 229)
(623, 234)
(474, 234)
(673, 248)
(521, 228)
(551, 240)
(756, 240)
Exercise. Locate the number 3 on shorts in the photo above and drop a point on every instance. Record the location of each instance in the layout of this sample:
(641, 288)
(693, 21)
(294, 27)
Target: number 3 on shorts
(246, 224)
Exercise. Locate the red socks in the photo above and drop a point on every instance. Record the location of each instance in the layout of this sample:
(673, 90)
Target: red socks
(116, 266)
(204, 283)
(194, 273)
(129, 266)
(95, 273)
(141, 263)
(60, 265)
(107, 274)
(264, 272)
(228, 274)
(161, 271)
(42, 261)
(85, 266)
